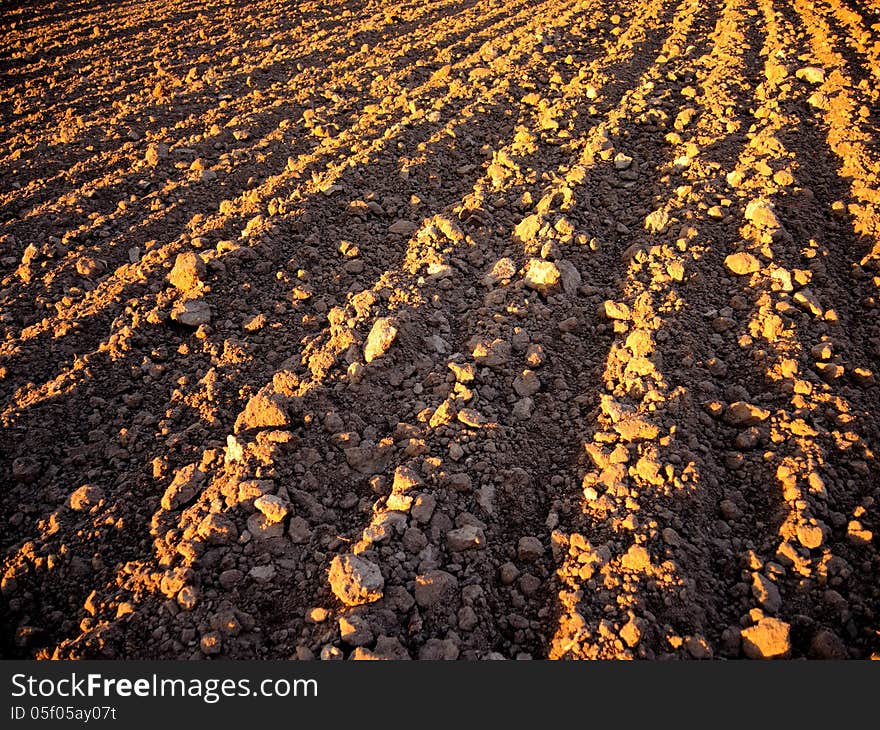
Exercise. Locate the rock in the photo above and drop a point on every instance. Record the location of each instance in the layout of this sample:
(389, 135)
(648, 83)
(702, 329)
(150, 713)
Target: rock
(423, 508)
(615, 310)
(155, 153)
(494, 354)
(188, 598)
(543, 276)
(465, 538)
(230, 578)
(522, 409)
(857, 534)
(827, 645)
(762, 214)
(217, 529)
(192, 312)
(272, 507)
(526, 384)
(390, 649)
(355, 631)
(186, 484)
(211, 643)
(188, 272)
(744, 414)
(630, 633)
(382, 334)
(768, 639)
(503, 269)
(529, 549)
(810, 536)
(527, 229)
(355, 580)
(90, 267)
(439, 650)
(262, 573)
(622, 161)
(403, 228)
(299, 531)
(811, 74)
(262, 412)
(458, 481)
(766, 593)
(742, 263)
(84, 498)
(433, 586)
(808, 301)
(508, 573)
(657, 221)
(571, 277)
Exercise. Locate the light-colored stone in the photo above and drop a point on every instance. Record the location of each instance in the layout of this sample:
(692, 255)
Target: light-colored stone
(382, 335)
(543, 276)
(768, 639)
(742, 263)
(355, 580)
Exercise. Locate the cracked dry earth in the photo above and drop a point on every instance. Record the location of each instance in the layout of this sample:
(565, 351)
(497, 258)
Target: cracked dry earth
(451, 329)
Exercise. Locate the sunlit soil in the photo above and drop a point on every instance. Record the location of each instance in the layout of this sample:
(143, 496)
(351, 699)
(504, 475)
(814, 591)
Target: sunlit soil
(435, 329)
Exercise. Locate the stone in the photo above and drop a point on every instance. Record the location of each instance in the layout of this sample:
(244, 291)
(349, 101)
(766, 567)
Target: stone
(527, 383)
(615, 310)
(811, 74)
(90, 267)
(402, 228)
(439, 650)
(508, 573)
(262, 412)
(571, 277)
(622, 161)
(523, 408)
(766, 593)
(768, 639)
(494, 354)
(423, 508)
(211, 643)
(355, 631)
(382, 335)
(84, 498)
(299, 531)
(433, 586)
(827, 645)
(744, 414)
(355, 580)
(742, 263)
(465, 538)
(630, 633)
(529, 549)
(527, 228)
(191, 313)
(458, 481)
(217, 529)
(272, 507)
(808, 300)
(187, 482)
(543, 276)
(188, 271)
(262, 573)
(405, 478)
(155, 153)
(762, 214)
(503, 269)
(810, 536)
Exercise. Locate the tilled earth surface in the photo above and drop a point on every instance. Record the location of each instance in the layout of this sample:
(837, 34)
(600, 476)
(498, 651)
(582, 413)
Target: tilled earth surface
(440, 329)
